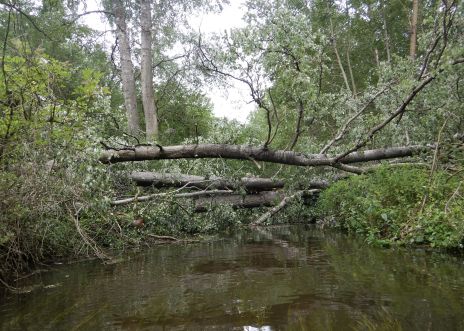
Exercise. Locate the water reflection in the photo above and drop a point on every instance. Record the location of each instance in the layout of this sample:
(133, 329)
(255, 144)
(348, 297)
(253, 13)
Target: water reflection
(285, 278)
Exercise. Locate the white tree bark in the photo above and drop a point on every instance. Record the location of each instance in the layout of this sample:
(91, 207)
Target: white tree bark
(127, 69)
(245, 152)
(385, 33)
(148, 98)
(339, 60)
(413, 41)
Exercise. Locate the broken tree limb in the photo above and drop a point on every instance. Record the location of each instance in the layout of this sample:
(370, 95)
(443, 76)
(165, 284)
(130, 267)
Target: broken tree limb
(169, 194)
(282, 204)
(169, 238)
(262, 199)
(250, 184)
(344, 129)
(245, 152)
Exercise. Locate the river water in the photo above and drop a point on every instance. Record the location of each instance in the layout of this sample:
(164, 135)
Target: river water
(283, 278)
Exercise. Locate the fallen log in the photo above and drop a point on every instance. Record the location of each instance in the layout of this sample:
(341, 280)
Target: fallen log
(245, 152)
(262, 199)
(250, 184)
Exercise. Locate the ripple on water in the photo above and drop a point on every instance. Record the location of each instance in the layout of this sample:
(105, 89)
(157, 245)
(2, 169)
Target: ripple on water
(274, 279)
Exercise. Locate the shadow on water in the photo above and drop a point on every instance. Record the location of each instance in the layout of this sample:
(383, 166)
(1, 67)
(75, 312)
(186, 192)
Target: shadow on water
(283, 278)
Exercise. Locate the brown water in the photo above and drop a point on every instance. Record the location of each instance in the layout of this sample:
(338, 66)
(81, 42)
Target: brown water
(286, 278)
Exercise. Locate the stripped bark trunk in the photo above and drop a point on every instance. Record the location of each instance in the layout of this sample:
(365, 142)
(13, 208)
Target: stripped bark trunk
(245, 152)
(127, 69)
(148, 97)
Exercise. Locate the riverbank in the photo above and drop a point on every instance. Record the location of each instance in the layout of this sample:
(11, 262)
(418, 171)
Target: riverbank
(398, 206)
(65, 213)
(57, 217)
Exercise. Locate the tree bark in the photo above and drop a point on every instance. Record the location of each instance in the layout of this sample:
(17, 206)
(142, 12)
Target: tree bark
(263, 199)
(385, 33)
(245, 152)
(350, 70)
(148, 97)
(250, 184)
(413, 40)
(337, 55)
(333, 40)
(127, 69)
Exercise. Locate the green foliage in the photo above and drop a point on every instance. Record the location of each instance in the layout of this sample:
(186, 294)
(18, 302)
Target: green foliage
(184, 114)
(398, 206)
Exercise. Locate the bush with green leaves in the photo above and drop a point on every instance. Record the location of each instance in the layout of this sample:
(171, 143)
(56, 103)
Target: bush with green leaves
(402, 206)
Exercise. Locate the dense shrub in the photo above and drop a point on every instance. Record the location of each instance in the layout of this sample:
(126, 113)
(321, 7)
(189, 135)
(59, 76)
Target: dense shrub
(398, 206)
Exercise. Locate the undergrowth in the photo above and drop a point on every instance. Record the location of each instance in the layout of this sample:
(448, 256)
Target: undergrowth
(58, 207)
(400, 206)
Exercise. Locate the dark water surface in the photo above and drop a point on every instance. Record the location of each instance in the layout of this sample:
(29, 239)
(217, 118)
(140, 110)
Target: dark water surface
(285, 278)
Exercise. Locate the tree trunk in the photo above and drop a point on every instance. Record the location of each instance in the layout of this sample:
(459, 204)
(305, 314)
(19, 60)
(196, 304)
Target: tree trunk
(350, 70)
(333, 39)
(250, 184)
(385, 32)
(413, 41)
(245, 152)
(148, 98)
(337, 55)
(263, 199)
(127, 69)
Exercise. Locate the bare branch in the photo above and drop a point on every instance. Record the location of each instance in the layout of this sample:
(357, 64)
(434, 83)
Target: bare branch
(400, 110)
(283, 203)
(78, 16)
(169, 194)
(298, 123)
(344, 128)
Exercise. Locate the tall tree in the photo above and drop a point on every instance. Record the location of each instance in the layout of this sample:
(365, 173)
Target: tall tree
(413, 41)
(127, 68)
(148, 99)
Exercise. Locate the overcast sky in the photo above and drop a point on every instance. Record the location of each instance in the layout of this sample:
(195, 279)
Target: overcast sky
(232, 103)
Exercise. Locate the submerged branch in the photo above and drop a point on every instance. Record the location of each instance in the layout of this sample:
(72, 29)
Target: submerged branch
(282, 204)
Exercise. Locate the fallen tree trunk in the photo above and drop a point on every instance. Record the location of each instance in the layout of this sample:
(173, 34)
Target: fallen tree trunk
(262, 199)
(250, 184)
(245, 152)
